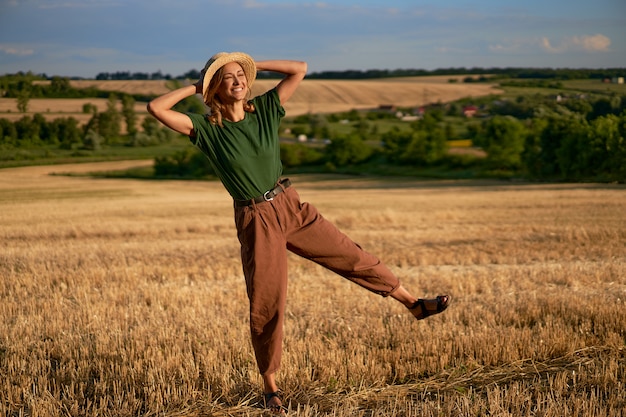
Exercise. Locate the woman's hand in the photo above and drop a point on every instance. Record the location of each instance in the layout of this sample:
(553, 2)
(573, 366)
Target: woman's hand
(199, 84)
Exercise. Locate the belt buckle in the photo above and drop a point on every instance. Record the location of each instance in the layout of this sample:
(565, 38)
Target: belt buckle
(265, 197)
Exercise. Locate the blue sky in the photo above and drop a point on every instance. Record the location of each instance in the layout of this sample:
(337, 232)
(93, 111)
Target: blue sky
(85, 37)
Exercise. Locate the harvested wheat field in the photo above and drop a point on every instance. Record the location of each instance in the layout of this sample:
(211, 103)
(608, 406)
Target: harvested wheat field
(313, 96)
(332, 96)
(126, 298)
(329, 96)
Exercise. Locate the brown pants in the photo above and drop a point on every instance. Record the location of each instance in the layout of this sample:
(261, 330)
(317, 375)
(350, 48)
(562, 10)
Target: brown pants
(265, 231)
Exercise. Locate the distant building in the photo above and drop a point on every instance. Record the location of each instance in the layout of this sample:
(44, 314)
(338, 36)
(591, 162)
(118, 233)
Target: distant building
(469, 111)
(618, 80)
(387, 107)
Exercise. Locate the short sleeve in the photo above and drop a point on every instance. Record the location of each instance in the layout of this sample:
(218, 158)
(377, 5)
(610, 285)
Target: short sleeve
(200, 127)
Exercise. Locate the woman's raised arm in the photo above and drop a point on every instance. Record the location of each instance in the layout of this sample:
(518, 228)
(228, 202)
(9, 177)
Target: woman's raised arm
(161, 109)
(294, 73)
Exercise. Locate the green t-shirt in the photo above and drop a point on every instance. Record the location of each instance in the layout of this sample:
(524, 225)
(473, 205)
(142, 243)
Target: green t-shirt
(245, 155)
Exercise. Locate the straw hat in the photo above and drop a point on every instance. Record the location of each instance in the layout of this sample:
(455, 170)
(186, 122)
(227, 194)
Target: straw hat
(220, 59)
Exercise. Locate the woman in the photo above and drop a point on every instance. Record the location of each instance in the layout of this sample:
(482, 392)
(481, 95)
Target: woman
(240, 139)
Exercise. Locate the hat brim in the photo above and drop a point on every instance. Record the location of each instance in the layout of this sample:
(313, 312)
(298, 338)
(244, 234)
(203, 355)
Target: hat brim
(223, 58)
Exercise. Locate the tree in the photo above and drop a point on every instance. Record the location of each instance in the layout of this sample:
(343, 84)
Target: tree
(616, 148)
(60, 86)
(502, 138)
(579, 106)
(574, 149)
(92, 140)
(188, 163)
(576, 152)
(23, 97)
(8, 132)
(297, 154)
(520, 109)
(607, 137)
(347, 150)
(549, 140)
(27, 131)
(362, 128)
(150, 126)
(428, 143)
(531, 155)
(108, 123)
(68, 132)
(128, 111)
(157, 133)
(43, 129)
(605, 106)
(89, 108)
(395, 142)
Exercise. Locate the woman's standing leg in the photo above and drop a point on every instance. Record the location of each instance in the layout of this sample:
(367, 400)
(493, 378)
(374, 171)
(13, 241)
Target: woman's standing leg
(264, 262)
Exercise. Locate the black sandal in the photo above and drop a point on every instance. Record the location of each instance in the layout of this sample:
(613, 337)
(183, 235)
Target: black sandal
(276, 409)
(442, 303)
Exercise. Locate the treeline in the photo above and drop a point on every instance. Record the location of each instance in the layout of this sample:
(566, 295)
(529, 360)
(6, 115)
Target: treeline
(534, 139)
(158, 75)
(16, 85)
(567, 141)
(127, 75)
(104, 128)
(536, 73)
(572, 138)
(557, 148)
(26, 86)
(524, 73)
(508, 72)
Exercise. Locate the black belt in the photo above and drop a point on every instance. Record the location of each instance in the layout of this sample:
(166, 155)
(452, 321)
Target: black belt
(266, 196)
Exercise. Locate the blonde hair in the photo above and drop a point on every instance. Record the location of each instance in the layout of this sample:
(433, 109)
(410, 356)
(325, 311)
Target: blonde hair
(212, 100)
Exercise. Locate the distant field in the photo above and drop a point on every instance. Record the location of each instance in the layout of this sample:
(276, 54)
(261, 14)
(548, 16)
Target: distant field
(126, 298)
(596, 86)
(314, 96)
(330, 96)
(569, 87)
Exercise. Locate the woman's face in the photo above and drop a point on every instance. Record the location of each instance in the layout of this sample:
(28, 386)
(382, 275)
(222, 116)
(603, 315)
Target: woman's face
(234, 85)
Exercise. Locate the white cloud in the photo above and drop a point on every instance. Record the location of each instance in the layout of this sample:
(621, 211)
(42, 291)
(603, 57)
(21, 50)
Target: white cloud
(507, 48)
(451, 50)
(587, 43)
(15, 51)
(583, 43)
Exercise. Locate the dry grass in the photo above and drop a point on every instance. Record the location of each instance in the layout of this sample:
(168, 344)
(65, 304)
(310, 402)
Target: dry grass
(123, 298)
